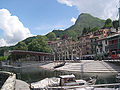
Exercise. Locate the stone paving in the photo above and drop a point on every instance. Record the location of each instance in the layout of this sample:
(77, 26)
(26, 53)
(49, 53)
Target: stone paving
(90, 66)
(86, 66)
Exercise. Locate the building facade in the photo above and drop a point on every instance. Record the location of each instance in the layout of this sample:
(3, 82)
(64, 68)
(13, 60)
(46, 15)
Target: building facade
(90, 45)
(114, 43)
(99, 43)
(102, 48)
(85, 45)
(65, 49)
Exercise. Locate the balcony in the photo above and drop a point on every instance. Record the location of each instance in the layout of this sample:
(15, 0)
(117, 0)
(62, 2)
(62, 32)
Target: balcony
(99, 44)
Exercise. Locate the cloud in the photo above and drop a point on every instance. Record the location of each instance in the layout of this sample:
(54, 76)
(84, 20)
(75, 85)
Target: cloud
(2, 42)
(67, 2)
(101, 8)
(62, 29)
(13, 29)
(73, 20)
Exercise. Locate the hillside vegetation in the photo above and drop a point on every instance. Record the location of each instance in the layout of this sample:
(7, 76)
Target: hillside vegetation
(84, 21)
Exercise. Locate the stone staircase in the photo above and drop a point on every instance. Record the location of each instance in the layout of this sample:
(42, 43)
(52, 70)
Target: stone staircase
(90, 66)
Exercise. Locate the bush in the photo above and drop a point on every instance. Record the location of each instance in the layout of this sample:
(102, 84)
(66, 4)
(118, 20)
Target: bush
(3, 58)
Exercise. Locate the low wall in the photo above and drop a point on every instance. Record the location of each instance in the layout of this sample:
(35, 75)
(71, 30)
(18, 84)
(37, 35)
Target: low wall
(10, 82)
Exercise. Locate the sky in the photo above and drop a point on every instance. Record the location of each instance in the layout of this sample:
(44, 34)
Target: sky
(20, 19)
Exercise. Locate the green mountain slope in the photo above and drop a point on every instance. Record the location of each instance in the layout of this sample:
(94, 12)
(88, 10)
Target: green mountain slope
(84, 21)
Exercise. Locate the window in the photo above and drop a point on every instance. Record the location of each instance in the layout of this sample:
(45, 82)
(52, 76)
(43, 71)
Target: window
(97, 50)
(112, 41)
(74, 52)
(87, 48)
(91, 40)
(100, 49)
(106, 48)
(86, 38)
(113, 52)
(105, 41)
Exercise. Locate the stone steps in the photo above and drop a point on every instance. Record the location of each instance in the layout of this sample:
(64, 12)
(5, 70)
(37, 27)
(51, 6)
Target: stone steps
(93, 66)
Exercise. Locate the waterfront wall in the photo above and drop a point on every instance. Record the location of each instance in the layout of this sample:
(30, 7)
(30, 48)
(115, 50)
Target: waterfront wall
(10, 82)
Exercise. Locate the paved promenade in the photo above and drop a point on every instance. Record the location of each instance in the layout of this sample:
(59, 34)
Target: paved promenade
(86, 66)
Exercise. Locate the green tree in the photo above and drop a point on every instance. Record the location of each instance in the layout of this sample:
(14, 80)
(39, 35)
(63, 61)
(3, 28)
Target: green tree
(3, 49)
(3, 58)
(72, 34)
(39, 44)
(94, 29)
(51, 36)
(21, 46)
(86, 31)
(108, 23)
(34, 46)
(115, 24)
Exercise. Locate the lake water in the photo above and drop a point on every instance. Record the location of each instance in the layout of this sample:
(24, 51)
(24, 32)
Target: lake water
(36, 74)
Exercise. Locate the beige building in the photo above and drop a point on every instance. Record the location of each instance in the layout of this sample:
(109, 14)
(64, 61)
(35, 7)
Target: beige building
(65, 49)
(85, 45)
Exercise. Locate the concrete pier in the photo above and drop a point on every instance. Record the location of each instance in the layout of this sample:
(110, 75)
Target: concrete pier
(11, 83)
(86, 66)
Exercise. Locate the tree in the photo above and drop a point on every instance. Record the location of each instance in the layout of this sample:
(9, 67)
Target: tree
(115, 24)
(21, 46)
(3, 58)
(51, 36)
(94, 29)
(2, 52)
(86, 31)
(39, 44)
(108, 23)
(71, 33)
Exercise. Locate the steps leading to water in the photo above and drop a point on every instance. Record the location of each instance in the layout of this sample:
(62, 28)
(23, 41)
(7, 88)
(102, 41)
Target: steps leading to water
(90, 66)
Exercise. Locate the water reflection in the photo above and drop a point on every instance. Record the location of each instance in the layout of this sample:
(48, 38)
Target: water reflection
(36, 74)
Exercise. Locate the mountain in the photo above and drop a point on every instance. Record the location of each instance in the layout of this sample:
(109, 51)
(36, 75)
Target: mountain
(84, 21)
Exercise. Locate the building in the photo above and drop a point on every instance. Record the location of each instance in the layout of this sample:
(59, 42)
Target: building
(93, 44)
(114, 43)
(20, 56)
(84, 44)
(65, 49)
(87, 47)
(102, 48)
(98, 42)
(104, 32)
